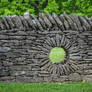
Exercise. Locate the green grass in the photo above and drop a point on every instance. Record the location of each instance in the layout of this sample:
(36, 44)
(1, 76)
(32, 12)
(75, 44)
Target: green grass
(57, 54)
(45, 87)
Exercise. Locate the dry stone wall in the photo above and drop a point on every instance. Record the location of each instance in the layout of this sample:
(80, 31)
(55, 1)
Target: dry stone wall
(25, 42)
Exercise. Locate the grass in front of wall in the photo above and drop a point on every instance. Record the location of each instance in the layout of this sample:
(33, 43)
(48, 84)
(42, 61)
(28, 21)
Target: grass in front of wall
(45, 87)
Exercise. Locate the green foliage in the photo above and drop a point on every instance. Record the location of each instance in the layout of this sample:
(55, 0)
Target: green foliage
(57, 55)
(52, 7)
(19, 7)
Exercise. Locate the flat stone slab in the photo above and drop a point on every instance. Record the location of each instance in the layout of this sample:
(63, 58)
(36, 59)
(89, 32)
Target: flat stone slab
(4, 49)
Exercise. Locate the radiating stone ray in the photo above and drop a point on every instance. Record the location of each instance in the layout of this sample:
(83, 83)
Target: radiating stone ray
(47, 46)
(45, 49)
(47, 42)
(57, 40)
(44, 53)
(65, 71)
(60, 69)
(53, 42)
(46, 66)
(68, 45)
(42, 60)
(65, 41)
(75, 54)
(74, 66)
(45, 62)
(50, 69)
(62, 40)
(40, 56)
(71, 68)
(54, 69)
(67, 68)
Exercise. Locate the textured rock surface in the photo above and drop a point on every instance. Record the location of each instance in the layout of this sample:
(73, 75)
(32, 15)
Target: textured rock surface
(75, 77)
(25, 42)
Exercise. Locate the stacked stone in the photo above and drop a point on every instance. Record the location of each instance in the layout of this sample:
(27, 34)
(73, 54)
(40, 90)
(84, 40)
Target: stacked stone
(19, 35)
(45, 21)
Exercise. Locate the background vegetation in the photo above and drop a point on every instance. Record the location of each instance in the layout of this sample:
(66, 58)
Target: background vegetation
(11, 7)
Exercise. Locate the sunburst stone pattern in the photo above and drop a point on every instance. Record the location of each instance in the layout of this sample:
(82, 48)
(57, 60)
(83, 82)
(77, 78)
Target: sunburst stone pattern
(72, 56)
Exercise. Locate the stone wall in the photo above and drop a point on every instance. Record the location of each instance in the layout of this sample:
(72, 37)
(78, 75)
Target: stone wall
(25, 43)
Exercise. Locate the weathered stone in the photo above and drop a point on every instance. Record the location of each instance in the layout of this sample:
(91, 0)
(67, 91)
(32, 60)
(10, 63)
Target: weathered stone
(44, 75)
(10, 22)
(4, 73)
(42, 23)
(25, 79)
(87, 78)
(37, 23)
(76, 20)
(57, 40)
(50, 18)
(8, 79)
(71, 24)
(4, 49)
(29, 20)
(47, 22)
(65, 23)
(24, 22)
(2, 26)
(48, 79)
(75, 77)
(88, 20)
(62, 40)
(84, 22)
(59, 23)
(17, 21)
(5, 23)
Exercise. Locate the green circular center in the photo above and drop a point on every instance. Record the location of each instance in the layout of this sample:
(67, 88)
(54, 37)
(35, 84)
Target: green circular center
(57, 55)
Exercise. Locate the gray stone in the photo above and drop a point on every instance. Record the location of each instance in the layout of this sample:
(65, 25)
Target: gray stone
(44, 75)
(29, 20)
(65, 23)
(75, 77)
(62, 40)
(42, 22)
(6, 23)
(4, 73)
(71, 24)
(58, 40)
(59, 23)
(88, 20)
(24, 22)
(2, 26)
(37, 23)
(7, 79)
(87, 78)
(4, 49)
(76, 21)
(50, 18)
(10, 22)
(84, 22)
(17, 21)
(47, 22)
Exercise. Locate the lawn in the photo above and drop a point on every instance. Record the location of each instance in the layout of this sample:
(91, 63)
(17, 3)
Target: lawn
(45, 87)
